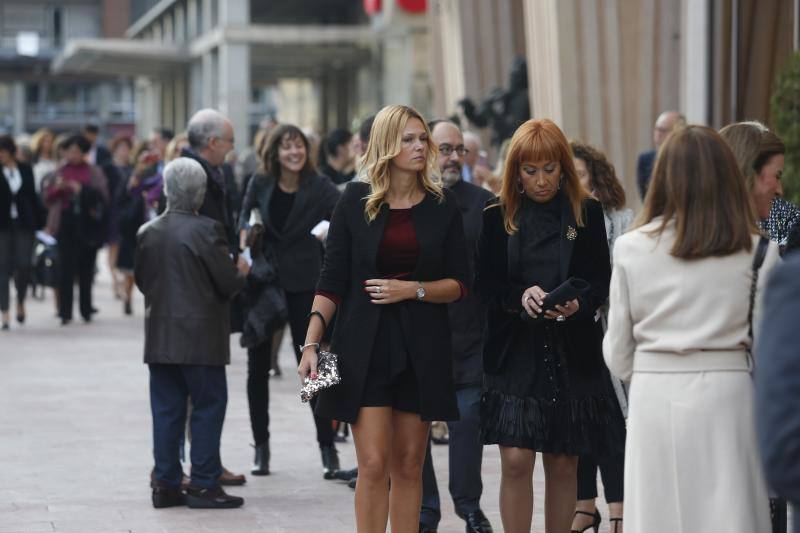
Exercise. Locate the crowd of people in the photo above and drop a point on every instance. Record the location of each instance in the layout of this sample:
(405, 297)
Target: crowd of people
(524, 305)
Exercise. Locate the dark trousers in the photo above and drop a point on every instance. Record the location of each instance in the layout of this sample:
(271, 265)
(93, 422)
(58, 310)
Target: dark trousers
(611, 471)
(170, 386)
(466, 456)
(259, 359)
(75, 259)
(299, 305)
(16, 259)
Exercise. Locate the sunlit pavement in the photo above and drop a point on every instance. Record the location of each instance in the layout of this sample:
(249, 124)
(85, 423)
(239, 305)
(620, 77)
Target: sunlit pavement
(76, 447)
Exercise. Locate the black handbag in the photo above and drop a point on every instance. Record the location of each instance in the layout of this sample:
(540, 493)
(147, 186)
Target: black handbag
(566, 292)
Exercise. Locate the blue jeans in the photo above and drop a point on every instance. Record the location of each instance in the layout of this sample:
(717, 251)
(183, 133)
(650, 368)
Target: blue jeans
(170, 386)
(466, 456)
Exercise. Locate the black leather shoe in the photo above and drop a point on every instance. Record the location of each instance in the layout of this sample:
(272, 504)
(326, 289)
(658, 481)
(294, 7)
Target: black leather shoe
(352, 483)
(166, 496)
(330, 461)
(261, 461)
(425, 529)
(478, 523)
(216, 498)
(346, 475)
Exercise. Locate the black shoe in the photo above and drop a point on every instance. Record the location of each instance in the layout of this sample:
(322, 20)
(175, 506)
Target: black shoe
(66, 321)
(595, 522)
(478, 523)
(261, 461)
(425, 529)
(330, 461)
(216, 498)
(346, 475)
(166, 496)
(5, 326)
(127, 307)
(352, 483)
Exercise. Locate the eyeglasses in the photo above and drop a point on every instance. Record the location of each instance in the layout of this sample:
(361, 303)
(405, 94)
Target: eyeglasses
(226, 140)
(447, 150)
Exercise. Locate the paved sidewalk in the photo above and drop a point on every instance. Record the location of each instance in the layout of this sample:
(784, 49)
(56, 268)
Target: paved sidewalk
(75, 448)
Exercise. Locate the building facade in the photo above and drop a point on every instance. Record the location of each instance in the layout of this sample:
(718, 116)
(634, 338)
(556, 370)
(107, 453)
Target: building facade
(32, 34)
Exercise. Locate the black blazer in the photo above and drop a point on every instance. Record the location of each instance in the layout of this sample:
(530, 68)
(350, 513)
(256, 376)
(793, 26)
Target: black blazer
(644, 170)
(184, 269)
(29, 206)
(585, 256)
(217, 203)
(350, 259)
(298, 252)
(467, 317)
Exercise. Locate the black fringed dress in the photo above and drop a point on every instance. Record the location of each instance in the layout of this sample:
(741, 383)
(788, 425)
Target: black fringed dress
(545, 384)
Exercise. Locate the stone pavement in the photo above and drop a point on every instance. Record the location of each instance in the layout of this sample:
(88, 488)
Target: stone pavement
(75, 448)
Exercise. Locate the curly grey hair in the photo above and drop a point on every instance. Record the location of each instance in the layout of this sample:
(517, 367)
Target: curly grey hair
(203, 126)
(184, 184)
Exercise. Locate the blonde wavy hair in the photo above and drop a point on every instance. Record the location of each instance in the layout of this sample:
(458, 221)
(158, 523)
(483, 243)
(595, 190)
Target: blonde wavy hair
(385, 143)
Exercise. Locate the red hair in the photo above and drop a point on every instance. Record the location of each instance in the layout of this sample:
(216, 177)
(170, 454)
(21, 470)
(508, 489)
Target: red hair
(539, 140)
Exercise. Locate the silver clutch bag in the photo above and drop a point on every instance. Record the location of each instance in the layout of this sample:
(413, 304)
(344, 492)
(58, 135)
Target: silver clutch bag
(327, 376)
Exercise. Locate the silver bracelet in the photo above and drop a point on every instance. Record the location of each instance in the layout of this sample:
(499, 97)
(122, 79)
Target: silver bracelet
(314, 344)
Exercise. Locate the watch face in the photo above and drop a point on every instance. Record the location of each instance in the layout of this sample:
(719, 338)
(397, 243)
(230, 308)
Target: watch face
(420, 293)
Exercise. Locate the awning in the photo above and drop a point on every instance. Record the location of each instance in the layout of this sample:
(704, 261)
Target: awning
(119, 57)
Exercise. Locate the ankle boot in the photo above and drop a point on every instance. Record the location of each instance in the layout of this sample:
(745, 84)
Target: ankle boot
(261, 461)
(330, 461)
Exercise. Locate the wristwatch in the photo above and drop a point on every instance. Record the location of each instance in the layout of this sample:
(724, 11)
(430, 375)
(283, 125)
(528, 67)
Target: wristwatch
(420, 291)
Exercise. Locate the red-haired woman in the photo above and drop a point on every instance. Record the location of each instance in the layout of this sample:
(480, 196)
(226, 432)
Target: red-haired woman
(545, 390)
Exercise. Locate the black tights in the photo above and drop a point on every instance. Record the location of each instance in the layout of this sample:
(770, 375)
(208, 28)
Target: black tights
(611, 470)
(299, 304)
(259, 360)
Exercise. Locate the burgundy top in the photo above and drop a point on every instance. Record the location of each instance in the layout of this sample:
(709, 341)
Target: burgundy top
(398, 251)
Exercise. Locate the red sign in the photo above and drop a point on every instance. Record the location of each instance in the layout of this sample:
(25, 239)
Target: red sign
(413, 6)
(372, 7)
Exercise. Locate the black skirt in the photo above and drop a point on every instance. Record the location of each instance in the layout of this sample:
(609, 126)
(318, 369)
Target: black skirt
(539, 401)
(391, 378)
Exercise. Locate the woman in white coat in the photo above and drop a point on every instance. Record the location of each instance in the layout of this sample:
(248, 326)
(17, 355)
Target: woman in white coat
(678, 328)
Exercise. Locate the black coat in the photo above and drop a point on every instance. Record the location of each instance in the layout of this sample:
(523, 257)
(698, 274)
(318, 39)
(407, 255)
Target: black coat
(350, 259)
(29, 208)
(468, 316)
(299, 253)
(585, 256)
(184, 269)
(219, 202)
(644, 170)
(263, 303)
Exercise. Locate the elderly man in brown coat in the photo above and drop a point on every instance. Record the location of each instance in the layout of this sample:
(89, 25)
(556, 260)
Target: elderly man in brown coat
(184, 269)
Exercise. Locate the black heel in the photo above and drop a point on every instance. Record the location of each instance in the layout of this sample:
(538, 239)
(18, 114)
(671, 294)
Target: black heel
(616, 522)
(594, 525)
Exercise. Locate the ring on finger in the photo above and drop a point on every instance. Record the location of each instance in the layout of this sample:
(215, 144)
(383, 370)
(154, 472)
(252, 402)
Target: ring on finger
(378, 289)
(560, 318)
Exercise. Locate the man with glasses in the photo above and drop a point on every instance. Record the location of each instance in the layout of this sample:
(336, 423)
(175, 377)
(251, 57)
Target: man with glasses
(210, 140)
(466, 324)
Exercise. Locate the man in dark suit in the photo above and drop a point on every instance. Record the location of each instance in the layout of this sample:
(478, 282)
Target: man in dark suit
(99, 154)
(777, 379)
(184, 269)
(467, 325)
(210, 139)
(644, 165)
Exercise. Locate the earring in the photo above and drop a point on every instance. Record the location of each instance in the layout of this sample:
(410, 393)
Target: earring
(520, 188)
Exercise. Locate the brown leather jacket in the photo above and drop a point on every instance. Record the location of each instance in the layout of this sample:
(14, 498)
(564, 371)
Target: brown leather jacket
(185, 271)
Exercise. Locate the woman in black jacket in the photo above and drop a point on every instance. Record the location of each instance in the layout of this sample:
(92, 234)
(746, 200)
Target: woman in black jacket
(292, 199)
(20, 217)
(545, 389)
(395, 256)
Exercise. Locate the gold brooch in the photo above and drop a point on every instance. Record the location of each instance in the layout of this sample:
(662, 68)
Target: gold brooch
(571, 233)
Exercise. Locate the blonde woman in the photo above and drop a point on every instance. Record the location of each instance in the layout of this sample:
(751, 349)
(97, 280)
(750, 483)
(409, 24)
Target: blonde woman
(395, 256)
(45, 159)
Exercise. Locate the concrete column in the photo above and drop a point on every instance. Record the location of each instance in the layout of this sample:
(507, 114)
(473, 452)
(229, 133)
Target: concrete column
(147, 99)
(234, 88)
(206, 9)
(695, 61)
(192, 30)
(234, 12)
(196, 81)
(208, 77)
(180, 24)
(18, 106)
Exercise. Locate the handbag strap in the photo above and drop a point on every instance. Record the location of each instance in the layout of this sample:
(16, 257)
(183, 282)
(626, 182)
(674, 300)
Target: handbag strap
(758, 260)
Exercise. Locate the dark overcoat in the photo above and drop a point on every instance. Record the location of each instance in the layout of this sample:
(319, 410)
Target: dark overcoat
(350, 259)
(583, 254)
(29, 207)
(298, 252)
(184, 269)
